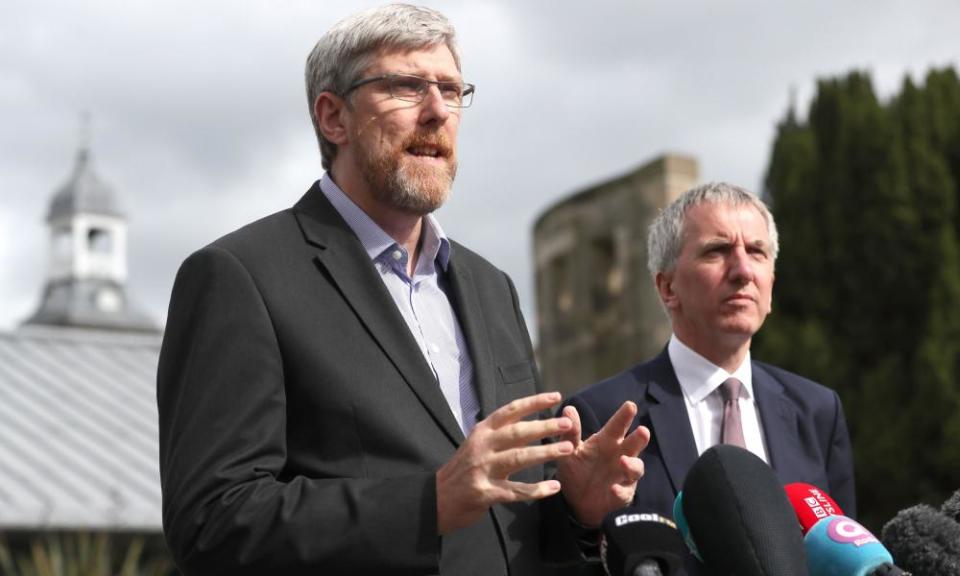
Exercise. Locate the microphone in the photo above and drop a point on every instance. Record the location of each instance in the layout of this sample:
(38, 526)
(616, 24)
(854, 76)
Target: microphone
(839, 546)
(739, 516)
(683, 527)
(951, 508)
(635, 543)
(836, 545)
(924, 541)
(810, 504)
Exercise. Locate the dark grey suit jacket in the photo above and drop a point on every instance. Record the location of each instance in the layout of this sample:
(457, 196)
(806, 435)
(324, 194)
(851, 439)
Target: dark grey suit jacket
(301, 427)
(803, 425)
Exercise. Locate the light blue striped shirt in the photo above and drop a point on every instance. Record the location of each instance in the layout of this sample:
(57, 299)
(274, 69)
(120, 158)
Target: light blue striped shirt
(421, 299)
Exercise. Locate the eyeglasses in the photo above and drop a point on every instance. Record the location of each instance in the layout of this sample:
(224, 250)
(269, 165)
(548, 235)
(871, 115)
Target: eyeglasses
(414, 88)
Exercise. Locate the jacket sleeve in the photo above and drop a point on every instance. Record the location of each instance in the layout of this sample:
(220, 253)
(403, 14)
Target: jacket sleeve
(840, 463)
(229, 504)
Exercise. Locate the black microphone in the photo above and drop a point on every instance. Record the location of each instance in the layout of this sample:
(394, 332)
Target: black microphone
(635, 543)
(740, 517)
(923, 541)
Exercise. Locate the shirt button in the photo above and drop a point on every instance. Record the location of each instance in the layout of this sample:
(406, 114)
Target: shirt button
(397, 255)
(434, 348)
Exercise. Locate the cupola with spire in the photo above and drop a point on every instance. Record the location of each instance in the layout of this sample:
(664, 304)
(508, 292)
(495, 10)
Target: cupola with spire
(87, 274)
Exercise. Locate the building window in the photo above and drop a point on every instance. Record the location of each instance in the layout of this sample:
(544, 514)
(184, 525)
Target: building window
(99, 241)
(562, 293)
(606, 274)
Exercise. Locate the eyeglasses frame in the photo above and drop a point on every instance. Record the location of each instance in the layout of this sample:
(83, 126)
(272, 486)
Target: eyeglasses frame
(467, 88)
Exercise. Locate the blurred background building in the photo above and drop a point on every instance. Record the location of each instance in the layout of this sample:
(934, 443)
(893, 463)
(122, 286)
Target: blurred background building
(597, 309)
(78, 415)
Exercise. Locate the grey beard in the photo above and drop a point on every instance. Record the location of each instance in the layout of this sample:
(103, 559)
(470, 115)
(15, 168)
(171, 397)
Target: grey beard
(418, 194)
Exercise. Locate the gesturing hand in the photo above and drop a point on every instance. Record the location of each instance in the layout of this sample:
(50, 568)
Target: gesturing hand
(476, 476)
(602, 473)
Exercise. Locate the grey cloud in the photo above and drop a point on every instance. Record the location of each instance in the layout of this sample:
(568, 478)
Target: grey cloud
(200, 119)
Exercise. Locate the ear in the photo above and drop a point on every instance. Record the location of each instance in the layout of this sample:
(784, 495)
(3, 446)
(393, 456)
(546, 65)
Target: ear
(664, 282)
(330, 112)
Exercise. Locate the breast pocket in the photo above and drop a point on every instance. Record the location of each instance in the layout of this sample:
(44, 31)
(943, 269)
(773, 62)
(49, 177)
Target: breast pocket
(517, 380)
(513, 374)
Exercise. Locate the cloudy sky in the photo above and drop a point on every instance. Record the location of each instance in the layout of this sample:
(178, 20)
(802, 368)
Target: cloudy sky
(200, 122)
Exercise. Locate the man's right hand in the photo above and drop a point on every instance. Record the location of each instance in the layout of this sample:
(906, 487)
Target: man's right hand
(501, 444)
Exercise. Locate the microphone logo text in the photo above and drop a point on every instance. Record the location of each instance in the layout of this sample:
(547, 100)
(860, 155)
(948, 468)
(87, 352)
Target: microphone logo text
(845, 531)
(624, 519)
(819, 504)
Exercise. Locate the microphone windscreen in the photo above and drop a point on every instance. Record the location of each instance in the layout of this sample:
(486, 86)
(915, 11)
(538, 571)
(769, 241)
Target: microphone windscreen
(810, 504)
(839, 546)
(631, 536)
(923, 541)
(683, 527)
(951, 508)
(739, 516)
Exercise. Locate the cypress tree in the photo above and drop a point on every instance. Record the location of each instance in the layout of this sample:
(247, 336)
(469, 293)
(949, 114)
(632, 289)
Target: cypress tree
(867, 298)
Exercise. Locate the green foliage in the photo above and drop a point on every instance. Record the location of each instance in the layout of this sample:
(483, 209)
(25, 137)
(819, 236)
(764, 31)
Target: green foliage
(83, 554)
(867, 298)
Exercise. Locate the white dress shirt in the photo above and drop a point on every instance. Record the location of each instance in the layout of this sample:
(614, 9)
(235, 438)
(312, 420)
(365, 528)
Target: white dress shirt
(700, 381)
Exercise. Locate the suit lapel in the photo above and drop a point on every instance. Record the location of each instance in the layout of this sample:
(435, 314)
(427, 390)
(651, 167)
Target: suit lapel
(470, 316)
(342, 259)
(671, 423)
(777, 416)
(466, 302)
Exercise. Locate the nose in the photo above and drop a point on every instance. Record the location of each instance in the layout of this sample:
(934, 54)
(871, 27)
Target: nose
(433, 107)
(741, 268)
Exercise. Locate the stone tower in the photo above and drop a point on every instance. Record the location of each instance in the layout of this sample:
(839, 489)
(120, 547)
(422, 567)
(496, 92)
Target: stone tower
(87, 270)
(597, 309)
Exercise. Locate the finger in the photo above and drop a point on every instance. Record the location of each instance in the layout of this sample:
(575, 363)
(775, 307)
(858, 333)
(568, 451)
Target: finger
(512, 491)
(503, 464)
(632, 470)
(619, 423)
(521, 408)
(636, 441)
(624, 493)
(528, 431)
(576, 428)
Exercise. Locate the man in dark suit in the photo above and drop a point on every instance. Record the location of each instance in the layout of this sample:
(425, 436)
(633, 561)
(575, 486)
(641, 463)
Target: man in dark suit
(711, 254)
(344, 390)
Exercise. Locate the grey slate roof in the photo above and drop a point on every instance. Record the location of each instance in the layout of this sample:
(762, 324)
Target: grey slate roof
(78, 430)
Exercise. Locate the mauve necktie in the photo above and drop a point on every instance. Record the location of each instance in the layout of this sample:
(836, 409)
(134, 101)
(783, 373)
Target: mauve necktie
(731, 431)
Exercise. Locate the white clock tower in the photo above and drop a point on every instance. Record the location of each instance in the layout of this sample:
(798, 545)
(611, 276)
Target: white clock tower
(86, 281)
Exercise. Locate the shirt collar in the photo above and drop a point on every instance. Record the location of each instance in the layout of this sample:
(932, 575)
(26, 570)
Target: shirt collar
(435, 246)
(699, 377)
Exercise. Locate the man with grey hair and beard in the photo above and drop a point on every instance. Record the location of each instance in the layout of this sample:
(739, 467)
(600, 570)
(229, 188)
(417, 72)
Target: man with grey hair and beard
(711, 253)
(344, 390)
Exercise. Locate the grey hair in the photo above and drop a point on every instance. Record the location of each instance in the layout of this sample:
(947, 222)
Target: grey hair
(348, 49)
(665, 238)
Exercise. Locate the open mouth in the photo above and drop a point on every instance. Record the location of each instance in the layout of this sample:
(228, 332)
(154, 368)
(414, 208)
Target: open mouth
(433, 146)
(425, 151)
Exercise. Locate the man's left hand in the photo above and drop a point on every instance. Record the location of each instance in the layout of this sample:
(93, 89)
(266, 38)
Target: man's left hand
(601, 474)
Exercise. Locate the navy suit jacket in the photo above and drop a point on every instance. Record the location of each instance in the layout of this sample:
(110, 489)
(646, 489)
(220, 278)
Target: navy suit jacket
(803, 425)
